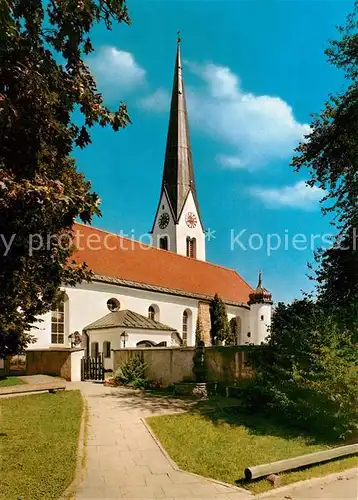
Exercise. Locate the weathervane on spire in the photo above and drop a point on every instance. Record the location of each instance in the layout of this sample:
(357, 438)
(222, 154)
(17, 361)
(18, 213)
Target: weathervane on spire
(178, 37)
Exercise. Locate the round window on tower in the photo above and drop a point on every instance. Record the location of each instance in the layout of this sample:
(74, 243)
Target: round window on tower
(113, 305)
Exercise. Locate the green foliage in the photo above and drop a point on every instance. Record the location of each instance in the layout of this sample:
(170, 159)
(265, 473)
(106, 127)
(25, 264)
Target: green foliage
(220, 330)
(331, 152)
(9, 381)
(337, 279)
(308, 369)
(307, 372)
(43, 80)
(234, 331)
(134, 373)
(198, 331)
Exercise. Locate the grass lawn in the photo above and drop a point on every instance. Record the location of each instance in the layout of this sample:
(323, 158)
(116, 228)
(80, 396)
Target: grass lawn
(7, 381)
(38, 442)
(222, 444)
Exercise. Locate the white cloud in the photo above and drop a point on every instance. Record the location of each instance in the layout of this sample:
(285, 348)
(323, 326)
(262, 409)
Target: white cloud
(257, 128)
(157, 101)
(116, 70)
(300, 195)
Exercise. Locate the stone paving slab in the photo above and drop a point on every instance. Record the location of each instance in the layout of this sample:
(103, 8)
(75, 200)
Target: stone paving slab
(123, 459)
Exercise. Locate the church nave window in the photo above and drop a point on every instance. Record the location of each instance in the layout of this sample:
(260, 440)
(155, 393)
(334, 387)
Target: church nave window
(185, 327)
(58, 320)
(153, 312)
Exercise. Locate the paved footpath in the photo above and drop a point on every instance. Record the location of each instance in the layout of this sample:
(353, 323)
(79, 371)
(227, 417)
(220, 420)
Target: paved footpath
(123, 459)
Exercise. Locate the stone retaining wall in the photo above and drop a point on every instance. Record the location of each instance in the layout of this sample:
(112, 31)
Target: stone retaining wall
(224, 364)
(65, 363)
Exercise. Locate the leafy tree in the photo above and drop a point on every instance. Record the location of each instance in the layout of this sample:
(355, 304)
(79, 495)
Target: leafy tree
(330, 153)
(220, 330)
(337, 280)
(306, 374)
(43, 81)
(234, 331)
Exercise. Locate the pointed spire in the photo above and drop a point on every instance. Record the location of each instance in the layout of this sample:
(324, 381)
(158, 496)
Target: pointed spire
(178, 175)
(260, 279)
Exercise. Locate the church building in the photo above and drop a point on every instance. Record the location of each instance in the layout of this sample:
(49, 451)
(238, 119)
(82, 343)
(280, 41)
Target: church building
(154, 295)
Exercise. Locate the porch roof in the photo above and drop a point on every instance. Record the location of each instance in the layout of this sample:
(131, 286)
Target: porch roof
(127, 319)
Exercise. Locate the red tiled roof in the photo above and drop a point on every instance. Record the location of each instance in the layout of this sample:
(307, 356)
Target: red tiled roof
(108, 254)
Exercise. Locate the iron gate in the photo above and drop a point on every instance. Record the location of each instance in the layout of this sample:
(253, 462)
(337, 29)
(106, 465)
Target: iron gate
(92, 368)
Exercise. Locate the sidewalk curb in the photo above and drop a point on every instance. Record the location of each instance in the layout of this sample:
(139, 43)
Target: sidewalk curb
(235, 489)
(70, 491)
(322, 480)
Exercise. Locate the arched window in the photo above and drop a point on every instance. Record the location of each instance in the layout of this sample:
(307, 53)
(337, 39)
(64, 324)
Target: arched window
(146, 343)
(186, 326)
(191, 247)
(163, 243)
(153, 312)
(59, 321)
(107, 349)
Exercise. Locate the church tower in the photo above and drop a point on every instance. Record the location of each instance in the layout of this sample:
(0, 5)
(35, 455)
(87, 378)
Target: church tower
(260, 302)
(177, 225)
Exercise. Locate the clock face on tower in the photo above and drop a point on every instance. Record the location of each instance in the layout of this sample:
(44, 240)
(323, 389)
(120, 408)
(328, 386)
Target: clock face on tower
(191, 220)
(164, 220)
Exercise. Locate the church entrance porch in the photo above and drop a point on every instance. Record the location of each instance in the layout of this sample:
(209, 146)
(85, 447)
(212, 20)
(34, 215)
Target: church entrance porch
(122, 330)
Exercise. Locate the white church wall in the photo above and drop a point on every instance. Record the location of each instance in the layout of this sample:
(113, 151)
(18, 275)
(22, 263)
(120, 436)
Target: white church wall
(182, 230)
(88, 302)
(42, 333)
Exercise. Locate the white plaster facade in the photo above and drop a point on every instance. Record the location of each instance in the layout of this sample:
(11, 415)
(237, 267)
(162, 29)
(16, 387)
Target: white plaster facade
(113, 335)
(260, 321)
(87, 303)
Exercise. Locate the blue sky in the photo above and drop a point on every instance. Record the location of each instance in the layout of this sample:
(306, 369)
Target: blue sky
(254, 71)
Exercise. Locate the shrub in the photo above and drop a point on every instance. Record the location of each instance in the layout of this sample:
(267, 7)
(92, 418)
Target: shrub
(133, 372)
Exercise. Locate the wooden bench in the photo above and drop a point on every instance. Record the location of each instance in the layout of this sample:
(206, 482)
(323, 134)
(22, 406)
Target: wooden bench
(51, 387)
(301, 461)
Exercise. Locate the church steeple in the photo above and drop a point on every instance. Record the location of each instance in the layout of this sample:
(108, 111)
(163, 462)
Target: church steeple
(178, 175)
(177, 224)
